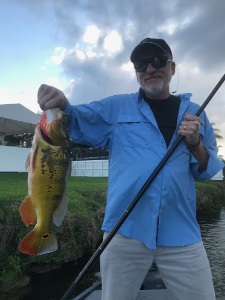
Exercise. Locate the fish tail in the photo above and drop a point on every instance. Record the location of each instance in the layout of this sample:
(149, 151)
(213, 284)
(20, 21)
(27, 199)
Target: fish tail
(35, 243)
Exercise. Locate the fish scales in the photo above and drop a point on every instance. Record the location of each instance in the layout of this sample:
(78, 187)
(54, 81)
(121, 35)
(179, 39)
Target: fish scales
(48, 174)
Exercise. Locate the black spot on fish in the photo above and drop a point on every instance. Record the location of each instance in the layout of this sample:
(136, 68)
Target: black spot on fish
(44, 157)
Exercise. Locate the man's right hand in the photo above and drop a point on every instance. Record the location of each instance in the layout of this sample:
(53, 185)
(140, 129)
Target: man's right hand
(50, 97)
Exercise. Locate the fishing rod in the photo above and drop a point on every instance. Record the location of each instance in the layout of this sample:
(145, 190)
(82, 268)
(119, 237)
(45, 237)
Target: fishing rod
(126, 213)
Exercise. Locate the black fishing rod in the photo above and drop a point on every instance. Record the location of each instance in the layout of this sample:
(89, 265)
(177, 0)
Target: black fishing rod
(126, 213)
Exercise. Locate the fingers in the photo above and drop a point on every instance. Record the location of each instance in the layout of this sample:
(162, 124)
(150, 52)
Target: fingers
(190, 128)
(51, 97)
(189, 117)
(190, 125)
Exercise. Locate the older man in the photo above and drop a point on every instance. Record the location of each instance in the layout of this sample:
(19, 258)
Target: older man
(138, 129)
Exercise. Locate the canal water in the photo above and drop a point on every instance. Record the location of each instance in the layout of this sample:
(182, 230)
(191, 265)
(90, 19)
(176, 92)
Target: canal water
(213, 236)
(53, 285)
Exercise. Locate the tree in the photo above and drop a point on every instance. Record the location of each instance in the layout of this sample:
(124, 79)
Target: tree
(217, 131)
(22, 140)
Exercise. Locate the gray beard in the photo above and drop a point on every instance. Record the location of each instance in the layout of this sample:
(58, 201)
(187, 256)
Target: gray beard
(154, 91)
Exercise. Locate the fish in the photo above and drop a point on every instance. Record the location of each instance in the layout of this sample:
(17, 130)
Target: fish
(49, 167)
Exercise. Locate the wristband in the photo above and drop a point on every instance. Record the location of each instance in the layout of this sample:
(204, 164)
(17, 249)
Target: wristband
(193, 147)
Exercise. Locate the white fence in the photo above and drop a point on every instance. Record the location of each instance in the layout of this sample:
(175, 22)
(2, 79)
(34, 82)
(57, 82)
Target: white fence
(12, 159)
(90, 168)
(99, 168)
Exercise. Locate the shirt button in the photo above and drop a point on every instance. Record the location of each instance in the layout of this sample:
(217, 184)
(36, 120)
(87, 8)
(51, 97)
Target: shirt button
(162, 141)
(165, 187)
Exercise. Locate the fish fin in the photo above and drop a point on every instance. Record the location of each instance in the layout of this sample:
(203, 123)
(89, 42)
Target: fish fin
(60, 211)
(36, 244)
(27, 163)
(28, 212)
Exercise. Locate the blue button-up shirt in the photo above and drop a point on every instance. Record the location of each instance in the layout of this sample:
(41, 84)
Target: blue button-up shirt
(125, 124)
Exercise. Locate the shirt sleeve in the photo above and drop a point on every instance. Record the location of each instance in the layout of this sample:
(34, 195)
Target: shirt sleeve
(209, 141)
(90, 124)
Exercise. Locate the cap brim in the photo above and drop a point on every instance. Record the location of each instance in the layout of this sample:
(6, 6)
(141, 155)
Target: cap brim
(143, 49)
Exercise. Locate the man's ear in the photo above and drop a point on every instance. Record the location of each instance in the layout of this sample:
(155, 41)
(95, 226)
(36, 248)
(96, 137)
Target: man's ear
(136, 76)
(173, 66)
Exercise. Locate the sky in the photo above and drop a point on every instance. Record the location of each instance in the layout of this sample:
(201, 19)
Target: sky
(83, 48)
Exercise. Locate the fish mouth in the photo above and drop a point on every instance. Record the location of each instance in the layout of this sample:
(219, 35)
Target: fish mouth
(45, 137)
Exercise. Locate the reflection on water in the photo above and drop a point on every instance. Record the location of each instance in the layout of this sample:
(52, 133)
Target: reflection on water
(213, 235)
(52, 285)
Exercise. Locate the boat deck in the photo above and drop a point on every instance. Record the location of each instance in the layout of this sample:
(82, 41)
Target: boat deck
(153, 288)
(143, 295)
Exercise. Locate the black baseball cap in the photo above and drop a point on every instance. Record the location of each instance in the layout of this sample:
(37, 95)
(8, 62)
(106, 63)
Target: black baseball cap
(147, 45)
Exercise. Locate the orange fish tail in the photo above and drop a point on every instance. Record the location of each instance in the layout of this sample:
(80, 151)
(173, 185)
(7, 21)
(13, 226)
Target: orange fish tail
(36, 244)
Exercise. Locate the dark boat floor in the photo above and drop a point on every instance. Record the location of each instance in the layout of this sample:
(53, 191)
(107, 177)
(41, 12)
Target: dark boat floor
(153, 288)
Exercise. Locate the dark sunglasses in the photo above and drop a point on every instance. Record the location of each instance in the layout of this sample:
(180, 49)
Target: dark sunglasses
(157, 62)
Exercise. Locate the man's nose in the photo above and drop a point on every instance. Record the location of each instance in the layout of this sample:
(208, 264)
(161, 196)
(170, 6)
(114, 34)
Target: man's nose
(150, 68)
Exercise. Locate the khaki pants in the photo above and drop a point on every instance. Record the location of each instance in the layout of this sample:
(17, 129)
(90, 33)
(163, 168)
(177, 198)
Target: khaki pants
(125, 262)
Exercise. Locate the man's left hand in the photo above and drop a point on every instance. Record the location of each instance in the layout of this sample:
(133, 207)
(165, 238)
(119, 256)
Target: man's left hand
(190, 129)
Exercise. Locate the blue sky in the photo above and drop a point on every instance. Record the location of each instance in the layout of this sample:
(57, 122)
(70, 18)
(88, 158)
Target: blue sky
(83, 47)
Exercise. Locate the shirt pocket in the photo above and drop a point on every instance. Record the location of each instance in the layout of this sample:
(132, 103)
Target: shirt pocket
(135, 131)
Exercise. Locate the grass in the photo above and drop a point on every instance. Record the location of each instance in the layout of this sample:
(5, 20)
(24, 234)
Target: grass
(13, 187)
(79, 232)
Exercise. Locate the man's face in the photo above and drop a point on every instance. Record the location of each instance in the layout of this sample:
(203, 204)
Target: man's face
(155, 82)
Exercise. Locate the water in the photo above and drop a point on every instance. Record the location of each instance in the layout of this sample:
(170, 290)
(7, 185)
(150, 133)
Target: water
(53, 285)
(213, 235)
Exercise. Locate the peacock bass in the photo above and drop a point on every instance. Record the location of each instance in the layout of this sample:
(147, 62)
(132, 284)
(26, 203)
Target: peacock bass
(48, 174)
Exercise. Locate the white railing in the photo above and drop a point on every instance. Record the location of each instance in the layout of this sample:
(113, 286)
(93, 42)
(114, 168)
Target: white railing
(12, 159)
(90, 168)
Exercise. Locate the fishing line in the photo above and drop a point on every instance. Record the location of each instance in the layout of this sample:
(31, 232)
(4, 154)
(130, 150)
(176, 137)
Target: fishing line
(178, 79)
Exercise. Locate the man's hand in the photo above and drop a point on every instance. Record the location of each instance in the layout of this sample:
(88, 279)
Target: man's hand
(50, 97)
(190, 129)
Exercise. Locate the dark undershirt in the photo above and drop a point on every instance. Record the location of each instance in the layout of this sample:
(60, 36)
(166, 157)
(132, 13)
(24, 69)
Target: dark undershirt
(165, 112)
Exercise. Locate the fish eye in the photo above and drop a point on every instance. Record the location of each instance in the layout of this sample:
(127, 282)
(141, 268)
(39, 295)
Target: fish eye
(45, 236)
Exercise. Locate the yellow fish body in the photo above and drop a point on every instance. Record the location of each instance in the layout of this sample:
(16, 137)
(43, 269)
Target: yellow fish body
(48, 173)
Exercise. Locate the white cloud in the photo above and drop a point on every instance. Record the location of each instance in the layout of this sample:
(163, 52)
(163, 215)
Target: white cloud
(80, 54)
(128, 67)
(113, 42)
(58, 56)
(169, 29)
(172, 26)
(92, 34)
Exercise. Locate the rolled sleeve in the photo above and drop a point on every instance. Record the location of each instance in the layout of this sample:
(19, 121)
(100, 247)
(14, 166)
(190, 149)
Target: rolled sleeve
(213, 167)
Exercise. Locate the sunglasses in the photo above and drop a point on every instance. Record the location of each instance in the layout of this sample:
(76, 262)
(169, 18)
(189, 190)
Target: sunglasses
(157, 62)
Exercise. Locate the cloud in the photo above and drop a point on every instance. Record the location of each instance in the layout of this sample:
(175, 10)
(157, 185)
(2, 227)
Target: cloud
(92, 34)
(113, 42)
(92, 40)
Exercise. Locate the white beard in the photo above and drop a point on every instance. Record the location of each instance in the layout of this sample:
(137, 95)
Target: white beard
(154, 91)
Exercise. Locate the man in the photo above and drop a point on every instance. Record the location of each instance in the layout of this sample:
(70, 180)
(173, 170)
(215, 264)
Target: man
(138, 129)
